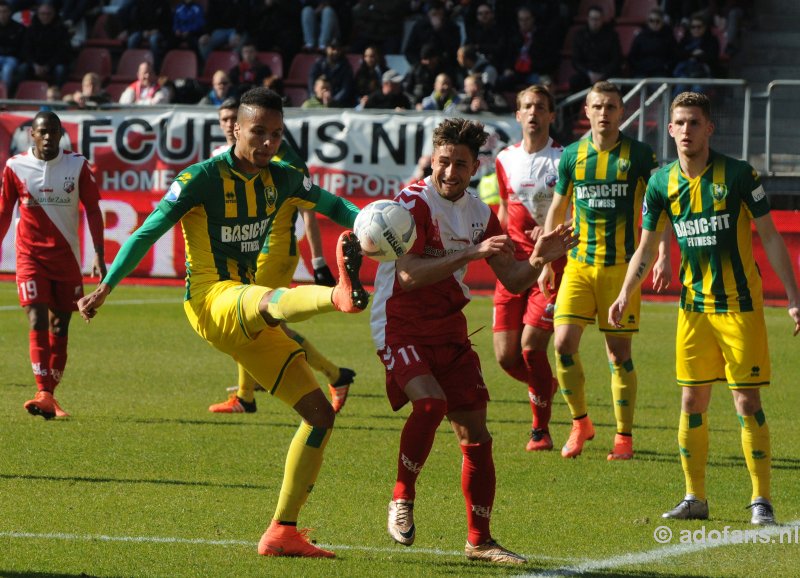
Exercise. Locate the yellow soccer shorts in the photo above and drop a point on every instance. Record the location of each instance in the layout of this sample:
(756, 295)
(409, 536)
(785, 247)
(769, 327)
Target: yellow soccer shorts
(276, 270)
(730, 347)
(227, 316)
(587, 292)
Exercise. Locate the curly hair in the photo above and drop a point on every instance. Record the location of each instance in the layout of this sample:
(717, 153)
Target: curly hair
(698, 99)
(460, 131)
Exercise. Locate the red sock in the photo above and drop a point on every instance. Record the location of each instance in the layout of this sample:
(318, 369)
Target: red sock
(540, 386)
(416, 442)
(477, 485)
(58, 357)
(39, 347)
(518, 371)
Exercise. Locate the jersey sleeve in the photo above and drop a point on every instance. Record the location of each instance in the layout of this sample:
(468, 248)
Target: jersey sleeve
(564, 184)
(753, 194)
(422, 219)
(90, 199)
(653, 206)
(185, 192)
(502, 179)
(8, 198)
(493, 227)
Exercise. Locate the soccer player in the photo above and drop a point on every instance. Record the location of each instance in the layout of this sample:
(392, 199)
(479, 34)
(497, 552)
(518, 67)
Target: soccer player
(275, 267)
(48, 183)
(225, 206)
(604, 177)
(712, 200)
(526, 176)
(420, 331)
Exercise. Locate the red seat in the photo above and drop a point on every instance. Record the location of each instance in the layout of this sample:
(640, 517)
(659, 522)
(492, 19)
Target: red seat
(609, 9)
(70, 87)
(115, 90)
(636, 11)
(300, 69)
(128, 65)
(273, 60)
(626, 35)
(179, 63)
(297, 95)
(104, 33)
(92, 59)
(31, 90)
(218, 60)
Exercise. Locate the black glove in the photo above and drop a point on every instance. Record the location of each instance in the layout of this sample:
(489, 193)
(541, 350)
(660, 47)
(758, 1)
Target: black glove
(323, 276)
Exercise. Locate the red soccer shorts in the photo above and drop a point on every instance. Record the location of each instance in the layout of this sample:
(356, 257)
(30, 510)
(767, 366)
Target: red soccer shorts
(511, 311)
(456, 367)
(35, 286)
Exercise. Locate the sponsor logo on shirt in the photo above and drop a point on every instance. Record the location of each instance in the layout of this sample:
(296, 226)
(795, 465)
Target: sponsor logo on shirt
(759, 193)
(173, 192)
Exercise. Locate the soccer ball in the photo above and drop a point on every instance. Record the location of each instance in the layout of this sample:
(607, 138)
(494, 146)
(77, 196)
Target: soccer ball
(385, 229)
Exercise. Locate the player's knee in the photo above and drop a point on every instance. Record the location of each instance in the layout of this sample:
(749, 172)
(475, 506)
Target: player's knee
(263, 309)
(323, 417)
(430, 408)
(507, 360)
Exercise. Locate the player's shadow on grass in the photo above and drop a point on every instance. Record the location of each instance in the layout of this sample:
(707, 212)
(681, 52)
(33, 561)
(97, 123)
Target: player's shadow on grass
(340, 424)
(33, 574)
(729, 461)
(104, 480)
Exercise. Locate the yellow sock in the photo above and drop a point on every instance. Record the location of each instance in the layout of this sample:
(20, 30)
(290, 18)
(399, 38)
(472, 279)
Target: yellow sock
(247, 385)
(623, 391)
(757, 454)
(302, 466)
(571, 380)
(693, 446)
(317, 361)
(300, 303)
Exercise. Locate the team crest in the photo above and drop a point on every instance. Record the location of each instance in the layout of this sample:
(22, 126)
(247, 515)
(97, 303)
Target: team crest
(719, 191)
(623, 165)
(272, 195)
(69, 185)
(550, 180)
(477, 235)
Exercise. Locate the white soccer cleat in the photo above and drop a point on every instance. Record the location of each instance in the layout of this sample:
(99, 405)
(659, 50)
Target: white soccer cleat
(401, 522)
(762, 513)
(689, 508)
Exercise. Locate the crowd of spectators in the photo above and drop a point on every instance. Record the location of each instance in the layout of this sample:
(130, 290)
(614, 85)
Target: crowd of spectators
(465, 55)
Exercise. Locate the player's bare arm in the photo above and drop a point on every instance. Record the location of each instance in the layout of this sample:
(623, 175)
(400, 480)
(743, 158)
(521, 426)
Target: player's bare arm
(519, 275)
(781, 263)
(88, 305)
(662, 270)
(414, 271)
(555, 216)
(638, 268)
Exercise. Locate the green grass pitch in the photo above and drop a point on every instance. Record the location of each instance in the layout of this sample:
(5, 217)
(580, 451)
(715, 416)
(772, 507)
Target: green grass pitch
(143, 481)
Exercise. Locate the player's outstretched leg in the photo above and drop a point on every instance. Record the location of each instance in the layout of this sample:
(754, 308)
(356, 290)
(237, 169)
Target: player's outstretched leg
(349, 295)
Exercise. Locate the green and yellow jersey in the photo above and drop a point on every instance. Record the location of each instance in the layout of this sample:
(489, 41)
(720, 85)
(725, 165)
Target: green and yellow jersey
(281, 239)
(711, 215)
(226, 217)
(607, 189)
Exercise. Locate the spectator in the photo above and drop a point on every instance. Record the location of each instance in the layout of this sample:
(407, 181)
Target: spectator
(654, 50)
(378, 24)
(699, 55)
(188, 24)
(74, 11)
(220, 89)
(275, 26)
(53, 93)
(444, 96)
(320, 24)
(149, 26)
(368, 75)
(250, 71)
(91, 93)
(145, 89)
(336, 68)
(390, 95)
(12, 35)
(596, 53)
(529, 57)
(438, 30)
(46, 48)
(476, 99)
(419, 82)
(321, 97)
(227, 22)
(486, 35)
(471, 61)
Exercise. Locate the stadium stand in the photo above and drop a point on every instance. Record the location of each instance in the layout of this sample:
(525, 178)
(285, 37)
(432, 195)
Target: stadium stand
(179, 63)
(129, 63)
(92, 59)
(274, 61)
(218, 60)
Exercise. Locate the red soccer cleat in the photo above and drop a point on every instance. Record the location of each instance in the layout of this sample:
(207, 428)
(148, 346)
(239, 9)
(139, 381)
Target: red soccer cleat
(349, 296)
(42, 404)
(281, 540)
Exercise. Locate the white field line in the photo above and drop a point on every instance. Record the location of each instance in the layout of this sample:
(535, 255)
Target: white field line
(658, 554)
(206, 542)
(112, 302)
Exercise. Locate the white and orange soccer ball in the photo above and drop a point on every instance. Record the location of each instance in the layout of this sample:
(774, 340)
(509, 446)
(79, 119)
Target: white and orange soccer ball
(385, 229)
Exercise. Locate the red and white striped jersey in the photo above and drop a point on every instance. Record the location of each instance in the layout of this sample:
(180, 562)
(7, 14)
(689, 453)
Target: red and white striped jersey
(527, 181)
(48, 193)
(431, 314)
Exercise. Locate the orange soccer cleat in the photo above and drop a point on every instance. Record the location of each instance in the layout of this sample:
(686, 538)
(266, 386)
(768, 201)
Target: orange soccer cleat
(341, 388)
(234, 404)
(42, 404)
(349, 296)
(582, 431)
(281, 540)
(623, 448)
